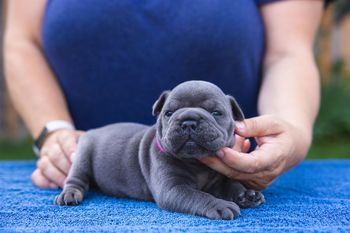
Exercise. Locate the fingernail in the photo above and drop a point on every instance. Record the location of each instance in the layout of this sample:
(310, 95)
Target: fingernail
(240, 125)
(72, 155)
(220, 153)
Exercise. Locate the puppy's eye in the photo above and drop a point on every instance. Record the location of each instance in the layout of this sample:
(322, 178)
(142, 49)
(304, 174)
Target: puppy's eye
(216, 113)
(168, 113)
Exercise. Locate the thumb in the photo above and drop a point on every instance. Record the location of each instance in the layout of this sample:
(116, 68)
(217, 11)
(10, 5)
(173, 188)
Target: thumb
(259, 126)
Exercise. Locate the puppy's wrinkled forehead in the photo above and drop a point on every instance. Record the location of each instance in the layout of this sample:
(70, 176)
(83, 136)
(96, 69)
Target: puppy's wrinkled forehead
(192, 93)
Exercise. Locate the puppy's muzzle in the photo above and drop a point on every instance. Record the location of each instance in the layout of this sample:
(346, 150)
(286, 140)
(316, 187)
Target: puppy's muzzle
(189, 121)
(189, 125)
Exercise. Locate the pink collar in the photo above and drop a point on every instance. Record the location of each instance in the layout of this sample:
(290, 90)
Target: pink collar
(159, 146)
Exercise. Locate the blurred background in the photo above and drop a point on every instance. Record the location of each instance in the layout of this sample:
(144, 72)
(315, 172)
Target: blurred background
(332, 130)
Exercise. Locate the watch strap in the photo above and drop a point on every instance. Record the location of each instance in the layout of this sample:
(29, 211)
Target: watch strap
(50, 127)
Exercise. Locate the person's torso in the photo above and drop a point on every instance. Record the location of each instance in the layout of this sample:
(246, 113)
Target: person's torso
(113, 58)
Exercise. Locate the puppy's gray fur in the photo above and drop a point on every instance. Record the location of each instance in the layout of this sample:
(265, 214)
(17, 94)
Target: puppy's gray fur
(195, 119)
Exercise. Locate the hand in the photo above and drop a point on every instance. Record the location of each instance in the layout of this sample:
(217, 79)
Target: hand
(280, 146)
(56, 158)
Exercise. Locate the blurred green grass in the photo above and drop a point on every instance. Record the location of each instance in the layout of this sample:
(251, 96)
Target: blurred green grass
(330, 150)
(16, 150)
(22, 150)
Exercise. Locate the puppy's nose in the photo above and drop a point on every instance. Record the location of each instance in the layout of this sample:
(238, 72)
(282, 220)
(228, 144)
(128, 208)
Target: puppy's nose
(189, 124)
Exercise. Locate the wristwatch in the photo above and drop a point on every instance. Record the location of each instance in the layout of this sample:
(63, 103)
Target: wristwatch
(50, 127)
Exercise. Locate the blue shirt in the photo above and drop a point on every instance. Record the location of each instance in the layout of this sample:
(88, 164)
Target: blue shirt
(113, 58)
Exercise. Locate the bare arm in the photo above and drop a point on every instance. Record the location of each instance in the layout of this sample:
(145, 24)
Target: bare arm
(290, 88)
(288, 100)
(31, 84)
(35, 92)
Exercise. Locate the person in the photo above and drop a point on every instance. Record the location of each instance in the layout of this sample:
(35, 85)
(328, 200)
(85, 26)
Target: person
(93, 63)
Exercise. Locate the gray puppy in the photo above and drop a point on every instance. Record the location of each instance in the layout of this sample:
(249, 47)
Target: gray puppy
(160, 163)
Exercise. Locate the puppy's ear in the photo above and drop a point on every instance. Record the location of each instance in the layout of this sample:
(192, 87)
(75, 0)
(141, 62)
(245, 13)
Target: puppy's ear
(158, 105)
(236, 110)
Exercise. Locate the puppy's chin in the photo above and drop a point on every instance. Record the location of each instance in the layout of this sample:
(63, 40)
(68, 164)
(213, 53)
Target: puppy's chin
(193, 150)
(190, 151)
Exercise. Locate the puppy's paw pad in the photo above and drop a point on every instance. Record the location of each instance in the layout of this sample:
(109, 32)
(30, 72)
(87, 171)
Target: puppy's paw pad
(223, 210)
(69, 197)
(250, 199)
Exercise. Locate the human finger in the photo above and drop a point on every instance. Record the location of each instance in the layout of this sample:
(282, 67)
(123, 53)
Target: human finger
(217, 165)
(68, 141)
(256, 185)
(50, 171)
(257, 181)
(256, 161)
(238, 146)
(259, 126)
(58, 159)
(39, 180)
(246, 146)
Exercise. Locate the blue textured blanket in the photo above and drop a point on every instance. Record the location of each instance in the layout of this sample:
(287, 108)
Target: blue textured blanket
(314, 197)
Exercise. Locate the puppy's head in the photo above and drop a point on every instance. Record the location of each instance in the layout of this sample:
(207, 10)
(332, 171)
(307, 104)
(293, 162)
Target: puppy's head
(195, 119)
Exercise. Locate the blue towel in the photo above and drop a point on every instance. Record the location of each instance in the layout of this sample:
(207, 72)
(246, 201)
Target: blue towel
(314, 197)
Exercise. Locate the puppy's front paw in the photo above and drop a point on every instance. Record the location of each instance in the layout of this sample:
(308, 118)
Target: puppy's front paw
(70, 196)
(223, 210)
(250, 198)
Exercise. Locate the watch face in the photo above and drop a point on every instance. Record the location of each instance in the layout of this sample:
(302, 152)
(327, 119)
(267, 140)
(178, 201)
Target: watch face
(39, 141)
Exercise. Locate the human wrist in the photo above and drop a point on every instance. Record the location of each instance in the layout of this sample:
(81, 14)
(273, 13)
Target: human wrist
(49, 128)
(303, 134)
(303, 128)
(300, 131)
(35, 126)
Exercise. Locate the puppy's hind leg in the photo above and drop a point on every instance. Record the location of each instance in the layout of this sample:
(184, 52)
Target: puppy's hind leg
(77, 182)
